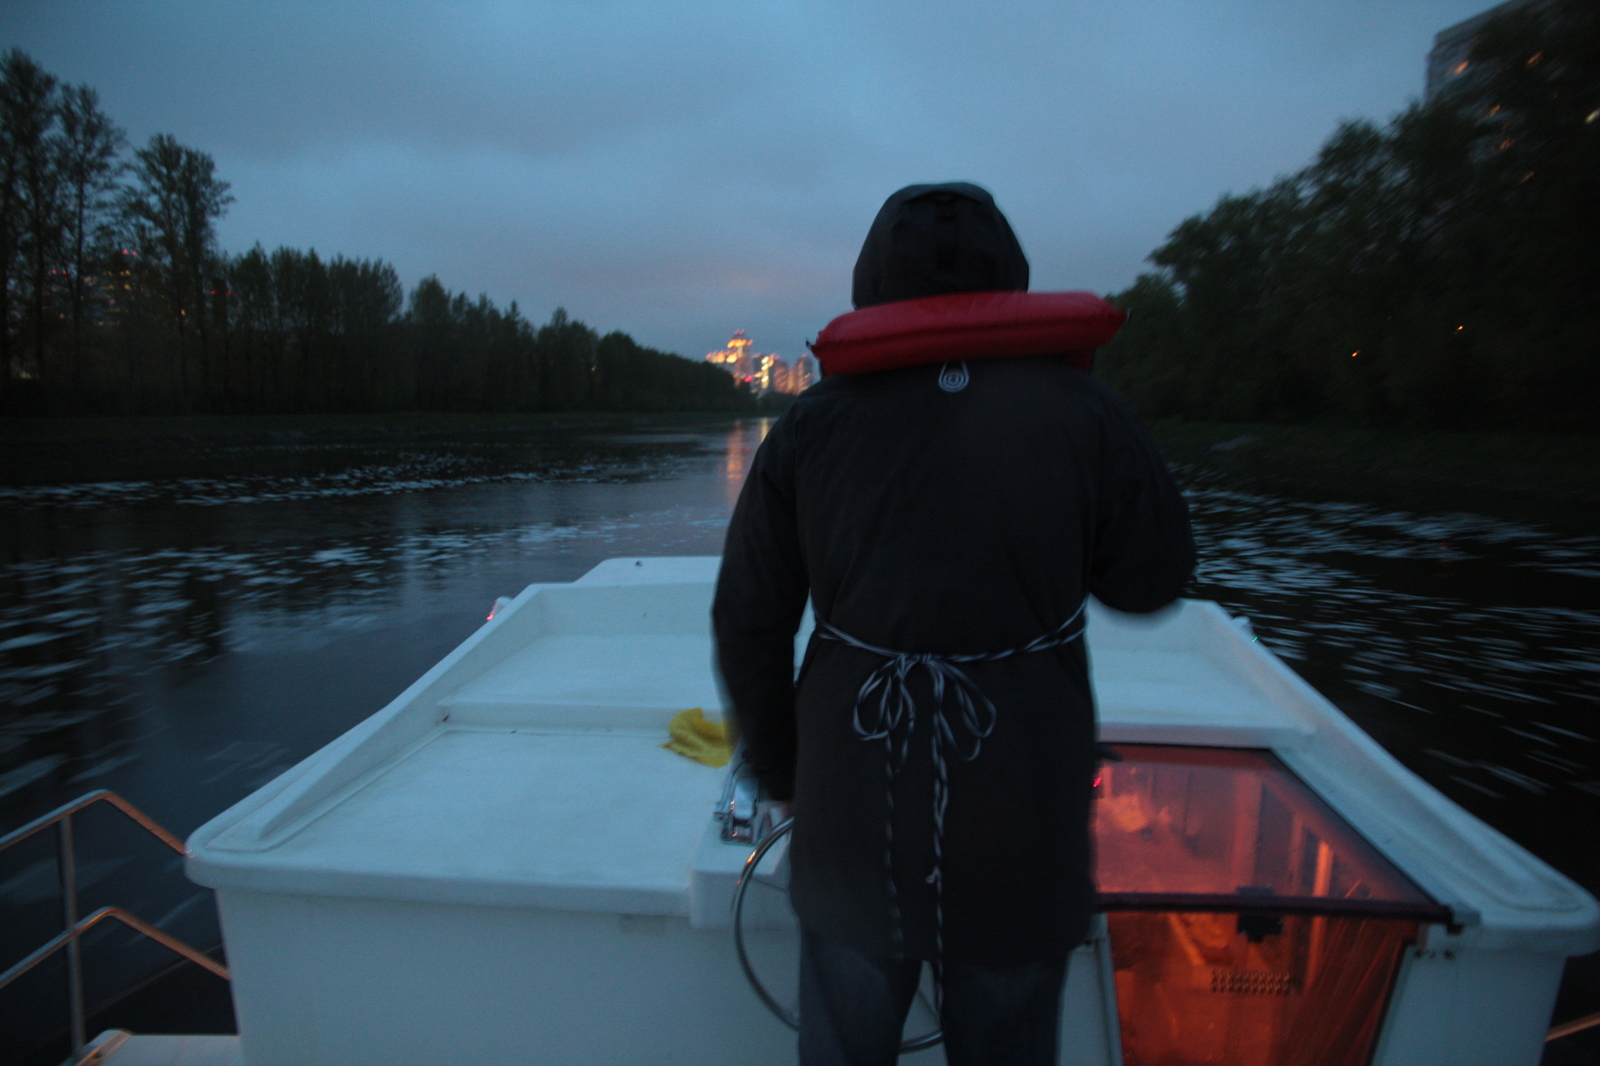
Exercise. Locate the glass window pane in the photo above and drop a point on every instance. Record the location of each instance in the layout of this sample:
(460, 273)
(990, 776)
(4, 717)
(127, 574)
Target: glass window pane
(1193, 990)
(1218, 822)
(1249, 923)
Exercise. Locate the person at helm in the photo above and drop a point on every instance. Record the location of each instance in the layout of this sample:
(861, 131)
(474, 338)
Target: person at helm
(947, 521)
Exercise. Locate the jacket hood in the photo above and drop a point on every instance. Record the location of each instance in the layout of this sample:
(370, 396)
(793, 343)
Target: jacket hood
(929, 240)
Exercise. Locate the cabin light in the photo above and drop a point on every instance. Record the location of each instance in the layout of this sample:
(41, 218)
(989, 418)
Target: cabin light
(1495, 110)
(1460, 328)
(1525, 177)
(1459, 68)
(1533, 60)
(1355, 353)
(1592, 116)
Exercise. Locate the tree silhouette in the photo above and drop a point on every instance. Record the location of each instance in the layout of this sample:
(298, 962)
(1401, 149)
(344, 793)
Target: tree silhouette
(125, 251)
(170, 211)
(30, 215)
(86, 158)
(1437, 272)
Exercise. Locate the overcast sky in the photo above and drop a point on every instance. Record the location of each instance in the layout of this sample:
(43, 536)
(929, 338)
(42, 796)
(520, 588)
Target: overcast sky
(679, 169)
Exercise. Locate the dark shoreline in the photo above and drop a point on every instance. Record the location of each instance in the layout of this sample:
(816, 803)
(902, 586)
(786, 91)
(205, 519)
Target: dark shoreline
(1486, 468)
(167, 430)
(47, 451)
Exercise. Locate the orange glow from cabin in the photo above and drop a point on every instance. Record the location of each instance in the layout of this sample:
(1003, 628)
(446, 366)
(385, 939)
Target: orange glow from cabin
(1224, 877)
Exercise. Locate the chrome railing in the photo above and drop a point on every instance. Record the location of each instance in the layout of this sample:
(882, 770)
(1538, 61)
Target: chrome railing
(73, 926)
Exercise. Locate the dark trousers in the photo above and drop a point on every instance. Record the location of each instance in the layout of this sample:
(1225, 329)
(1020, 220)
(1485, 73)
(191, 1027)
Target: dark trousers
(852, 1008)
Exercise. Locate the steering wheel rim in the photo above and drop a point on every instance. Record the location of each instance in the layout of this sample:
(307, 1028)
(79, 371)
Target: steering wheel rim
(782, 1013)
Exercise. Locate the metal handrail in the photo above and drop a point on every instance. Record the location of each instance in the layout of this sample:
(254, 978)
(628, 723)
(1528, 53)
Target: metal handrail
(137, 924)
(66, 865)
(1577, 1025)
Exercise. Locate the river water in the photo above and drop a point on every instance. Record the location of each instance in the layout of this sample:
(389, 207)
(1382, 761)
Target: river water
(183, 632)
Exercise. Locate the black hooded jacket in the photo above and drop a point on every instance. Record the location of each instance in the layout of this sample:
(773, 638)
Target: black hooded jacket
(924, 520)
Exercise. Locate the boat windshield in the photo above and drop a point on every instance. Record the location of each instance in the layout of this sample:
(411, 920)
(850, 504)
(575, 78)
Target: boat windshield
(1249, 923)
(1234, 829)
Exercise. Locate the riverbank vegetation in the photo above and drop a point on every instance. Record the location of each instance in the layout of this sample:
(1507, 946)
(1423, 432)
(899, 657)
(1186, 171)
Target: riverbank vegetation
(1435, 273)
(115, 299)
(1497, 463)
(166, 431)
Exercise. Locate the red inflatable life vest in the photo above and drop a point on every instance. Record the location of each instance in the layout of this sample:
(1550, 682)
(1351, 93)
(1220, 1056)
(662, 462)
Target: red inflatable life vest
(967, 325)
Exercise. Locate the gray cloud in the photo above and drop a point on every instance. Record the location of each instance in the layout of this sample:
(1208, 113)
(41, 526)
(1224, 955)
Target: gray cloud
(683, 170)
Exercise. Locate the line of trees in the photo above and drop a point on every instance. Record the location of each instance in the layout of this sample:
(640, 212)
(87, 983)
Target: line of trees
(115, 298)
(1439, 272)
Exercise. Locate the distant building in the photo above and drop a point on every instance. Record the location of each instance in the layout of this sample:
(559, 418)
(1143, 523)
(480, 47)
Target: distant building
(736, 358)
(803, 373)
(764, 372)
(1452, 45)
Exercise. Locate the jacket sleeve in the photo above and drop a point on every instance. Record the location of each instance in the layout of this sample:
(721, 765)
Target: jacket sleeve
(1143, 552)
(761, 595)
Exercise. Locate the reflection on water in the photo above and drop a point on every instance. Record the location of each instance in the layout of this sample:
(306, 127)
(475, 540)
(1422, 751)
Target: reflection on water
(184, 638)
(342, 471)
(1487, 626)
(742, 445)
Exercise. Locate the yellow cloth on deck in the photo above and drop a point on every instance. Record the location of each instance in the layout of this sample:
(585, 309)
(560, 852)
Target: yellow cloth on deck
(701, 740)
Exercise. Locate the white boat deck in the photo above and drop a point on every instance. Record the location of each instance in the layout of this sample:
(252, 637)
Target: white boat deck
(514, 810)
(525, 769)
(1182, 697)
(558, 672)
(513, 817)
